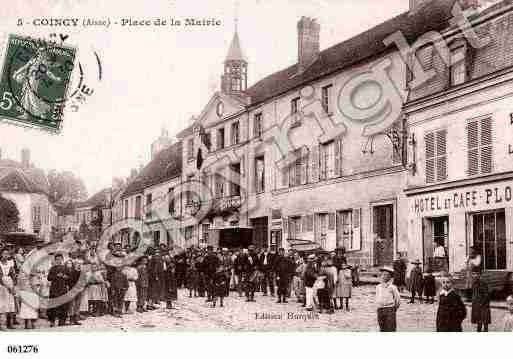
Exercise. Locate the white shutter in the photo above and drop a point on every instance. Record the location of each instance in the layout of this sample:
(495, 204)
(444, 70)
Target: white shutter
(486, 145)
(473, 148)
(429, 139)
(304, 165)
(441, 155)
(314, 164)
(357, 232)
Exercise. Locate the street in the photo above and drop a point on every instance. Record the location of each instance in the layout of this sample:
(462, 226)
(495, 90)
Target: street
(266, 315)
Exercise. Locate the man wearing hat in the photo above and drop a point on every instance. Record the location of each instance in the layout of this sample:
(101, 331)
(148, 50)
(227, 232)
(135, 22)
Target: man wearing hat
(416, 281)
(310, 277)
(388, 301)
(250, 265)
(284, 270)
(210, 264)
(266, 261)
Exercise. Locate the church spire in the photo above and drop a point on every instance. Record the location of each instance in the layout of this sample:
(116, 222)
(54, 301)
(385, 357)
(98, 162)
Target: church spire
(235, 77)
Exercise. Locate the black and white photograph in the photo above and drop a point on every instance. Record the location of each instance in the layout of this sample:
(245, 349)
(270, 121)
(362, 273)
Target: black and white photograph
(303, 166)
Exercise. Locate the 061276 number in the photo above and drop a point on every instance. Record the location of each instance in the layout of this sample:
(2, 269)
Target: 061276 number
(22, 349)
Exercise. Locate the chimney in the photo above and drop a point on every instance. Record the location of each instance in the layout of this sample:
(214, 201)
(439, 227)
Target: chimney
(308, 31)
(25, 158)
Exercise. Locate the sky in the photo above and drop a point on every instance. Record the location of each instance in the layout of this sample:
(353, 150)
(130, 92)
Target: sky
(159, 77)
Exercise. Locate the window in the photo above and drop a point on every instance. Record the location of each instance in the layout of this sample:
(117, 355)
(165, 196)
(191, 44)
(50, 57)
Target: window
(326, 93)
(259, 174)
(37, 214)
(330, 160)
(436, 156)
(190, 149)
(189, 193)
(235, 133)
(345, 229)
(205, 229)
(488, 231)
(219, 185)
(171, 200)
(188, 233)
(459, 69)
(148, 205)
(220, 138)
(294, 227)
(207, 140)
(126, 208)
(479, 146)
(322, 229)
(235, 182)
(258, 125)
(138, 207)
(298, 171)
(156, 238)
(294, 105)
(169, 239)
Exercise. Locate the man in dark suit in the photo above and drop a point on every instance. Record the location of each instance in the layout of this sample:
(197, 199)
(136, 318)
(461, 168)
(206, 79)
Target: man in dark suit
(266, 263)
(285, 268)
(59, 277)
(250, 267)
(210, 265)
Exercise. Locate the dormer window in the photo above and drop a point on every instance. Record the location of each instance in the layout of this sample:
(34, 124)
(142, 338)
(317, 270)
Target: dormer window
(459, 68)
(235, 133)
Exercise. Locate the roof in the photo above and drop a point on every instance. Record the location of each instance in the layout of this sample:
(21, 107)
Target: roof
(98, 199)
(67, 210)
(434, 17)
(15, 177)
(166, 165)
(235, 51)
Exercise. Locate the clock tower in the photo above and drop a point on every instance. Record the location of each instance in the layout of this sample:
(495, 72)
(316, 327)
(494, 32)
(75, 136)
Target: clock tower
(235, 77)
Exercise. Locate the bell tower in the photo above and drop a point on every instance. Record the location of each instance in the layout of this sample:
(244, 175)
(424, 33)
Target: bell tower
(235, 77)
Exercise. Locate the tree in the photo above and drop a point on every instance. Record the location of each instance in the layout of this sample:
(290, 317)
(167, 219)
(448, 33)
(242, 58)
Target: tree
(65, 187)
(9, 215)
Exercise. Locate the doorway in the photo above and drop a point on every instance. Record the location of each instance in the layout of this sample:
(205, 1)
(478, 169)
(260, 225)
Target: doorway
(383, 229)
(260, 231)
(436, 237)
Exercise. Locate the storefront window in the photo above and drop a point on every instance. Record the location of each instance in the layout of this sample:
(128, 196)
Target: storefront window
(489, 238)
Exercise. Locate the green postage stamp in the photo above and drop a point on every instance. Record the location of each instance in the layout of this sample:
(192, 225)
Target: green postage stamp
(34, 83)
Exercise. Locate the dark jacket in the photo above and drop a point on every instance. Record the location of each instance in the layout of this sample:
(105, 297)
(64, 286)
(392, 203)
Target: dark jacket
(210, 264)
(271, 259)
(429, 285)
(117, 279)
(416, 280)
(238, 264)
(249, 263)
(310, 275)
(171, 288)
(480, 303)
(399, 272)
(451, 313)
(59, 278)
(284, 268)
(143, 280)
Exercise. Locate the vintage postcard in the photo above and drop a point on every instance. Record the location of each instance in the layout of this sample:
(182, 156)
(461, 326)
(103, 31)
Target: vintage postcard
(256, 166)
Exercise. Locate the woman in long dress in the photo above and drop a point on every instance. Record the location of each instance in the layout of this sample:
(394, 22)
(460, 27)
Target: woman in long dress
(131, 294)
(7, 282)
(29, 308)
(344, 286)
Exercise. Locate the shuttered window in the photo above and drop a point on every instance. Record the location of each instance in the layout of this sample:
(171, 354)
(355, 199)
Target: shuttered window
(479, 146)
(314, 165)
(436, 156)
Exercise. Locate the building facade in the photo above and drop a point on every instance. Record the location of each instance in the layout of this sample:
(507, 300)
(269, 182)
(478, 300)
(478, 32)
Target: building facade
(460, 124)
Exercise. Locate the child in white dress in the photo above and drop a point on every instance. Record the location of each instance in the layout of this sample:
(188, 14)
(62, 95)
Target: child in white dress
(29, 310)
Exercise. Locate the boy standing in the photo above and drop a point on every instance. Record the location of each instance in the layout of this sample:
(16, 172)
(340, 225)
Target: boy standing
(388, 301)
(451, 310)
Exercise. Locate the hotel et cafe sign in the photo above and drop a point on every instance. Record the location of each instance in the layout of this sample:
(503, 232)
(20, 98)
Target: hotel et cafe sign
(462, 199)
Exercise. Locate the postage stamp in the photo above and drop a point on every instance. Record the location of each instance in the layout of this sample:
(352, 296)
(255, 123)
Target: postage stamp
(34, 82)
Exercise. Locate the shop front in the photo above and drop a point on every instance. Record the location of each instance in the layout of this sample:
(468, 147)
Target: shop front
(444, 222)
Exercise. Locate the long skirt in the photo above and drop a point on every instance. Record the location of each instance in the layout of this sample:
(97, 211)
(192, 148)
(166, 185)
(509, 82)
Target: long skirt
(131, 293)
(29, 306)
(7, 301)
(387, 319)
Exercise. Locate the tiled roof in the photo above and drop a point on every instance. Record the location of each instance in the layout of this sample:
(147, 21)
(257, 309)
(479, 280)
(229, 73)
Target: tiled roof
(433, 17)
(98, 199)
(166, 165)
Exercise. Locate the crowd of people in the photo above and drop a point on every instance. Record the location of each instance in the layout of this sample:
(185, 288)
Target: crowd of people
(70, 286)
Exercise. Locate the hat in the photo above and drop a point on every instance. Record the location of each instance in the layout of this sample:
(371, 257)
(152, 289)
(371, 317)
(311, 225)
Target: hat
(387, 269)
(416, 262)
(225, 249)
(311, 257)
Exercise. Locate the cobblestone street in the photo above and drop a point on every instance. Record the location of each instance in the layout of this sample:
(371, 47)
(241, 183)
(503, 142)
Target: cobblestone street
(237, 315)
